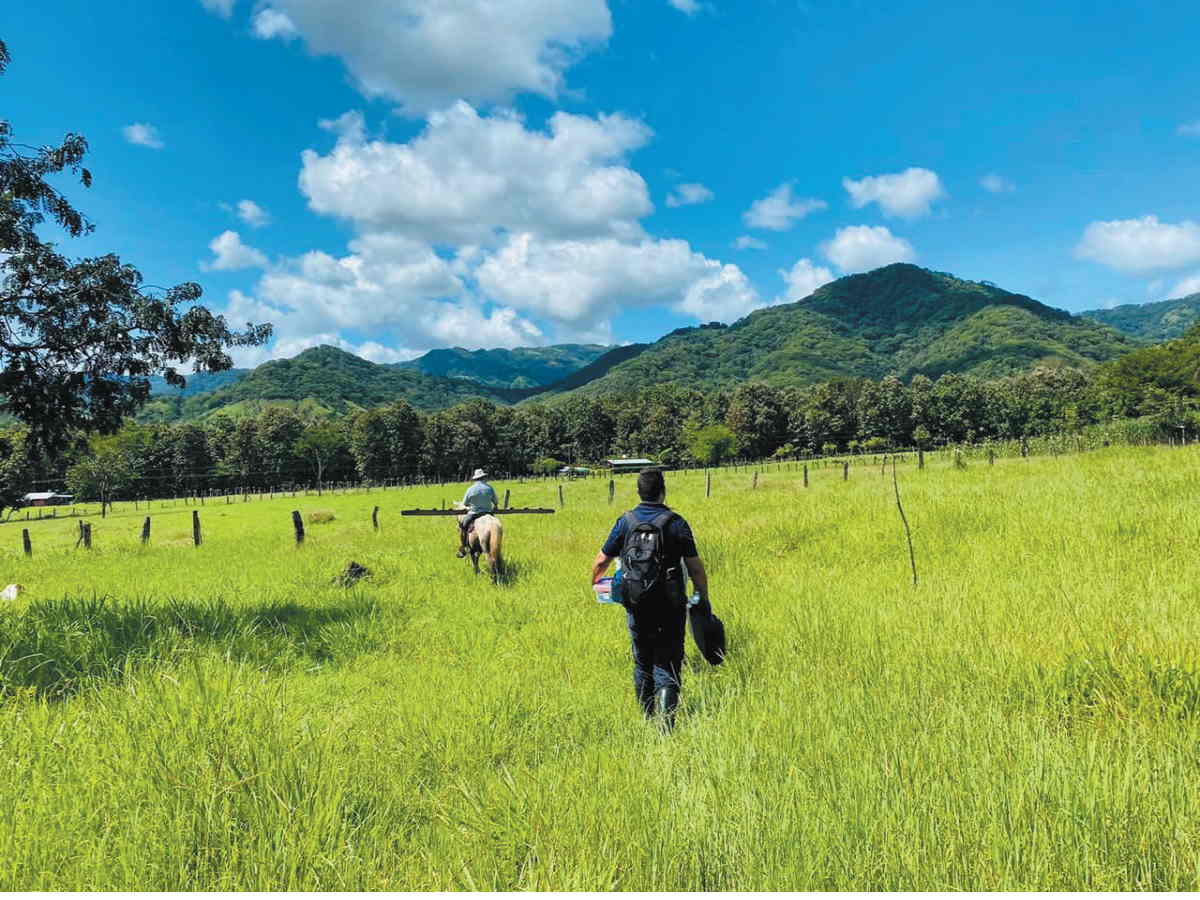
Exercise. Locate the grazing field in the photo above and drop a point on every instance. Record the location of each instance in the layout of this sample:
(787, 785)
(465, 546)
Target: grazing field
(225, 717)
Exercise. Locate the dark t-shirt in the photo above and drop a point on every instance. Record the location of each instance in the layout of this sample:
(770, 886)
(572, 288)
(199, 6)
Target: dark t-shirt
(677, 536)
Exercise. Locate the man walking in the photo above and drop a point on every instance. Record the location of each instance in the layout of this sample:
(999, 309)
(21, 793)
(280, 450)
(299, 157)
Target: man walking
(647, 537)
(479, 500)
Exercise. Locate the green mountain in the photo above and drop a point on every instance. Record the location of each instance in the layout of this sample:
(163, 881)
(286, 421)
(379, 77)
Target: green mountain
(1154, 322)
(197, 383)
(901, 320)
(524, 367)
(326, 378)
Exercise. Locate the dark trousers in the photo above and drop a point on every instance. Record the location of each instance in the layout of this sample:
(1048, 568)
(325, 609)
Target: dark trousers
(657, 636)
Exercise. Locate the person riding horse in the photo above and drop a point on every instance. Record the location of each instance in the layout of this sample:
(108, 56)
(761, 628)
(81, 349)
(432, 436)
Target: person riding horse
(479, 500)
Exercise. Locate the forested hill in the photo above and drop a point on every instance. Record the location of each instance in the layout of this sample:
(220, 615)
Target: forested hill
(524, 367)
(326, 379)
(197, 382)
(1155, 322)
(900, 319)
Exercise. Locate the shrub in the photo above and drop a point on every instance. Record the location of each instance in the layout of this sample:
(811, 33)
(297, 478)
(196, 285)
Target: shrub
(547, 465)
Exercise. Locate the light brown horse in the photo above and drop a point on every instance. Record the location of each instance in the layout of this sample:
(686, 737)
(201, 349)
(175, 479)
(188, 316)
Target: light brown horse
(486, 537)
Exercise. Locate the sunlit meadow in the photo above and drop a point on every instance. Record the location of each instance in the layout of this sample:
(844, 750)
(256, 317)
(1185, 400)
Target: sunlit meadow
(229, 717)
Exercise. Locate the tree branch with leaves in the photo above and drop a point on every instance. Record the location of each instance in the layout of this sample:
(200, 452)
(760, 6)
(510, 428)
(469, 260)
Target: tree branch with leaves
(79, 339)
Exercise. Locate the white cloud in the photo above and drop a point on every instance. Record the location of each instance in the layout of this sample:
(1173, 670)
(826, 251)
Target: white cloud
(779, 210)
(467, 177)
(395, 289)
(858, 248)
(428, 53)
(804, 278)
(143, 134)
(252, 214)
(1140, 245)
(690, 7)
(578, 282)
(230, 253)
(1187, 287)
(907, 194)
(1189, 129)
(271, 23)
(223, 8)
(996, 184)
(689, 195)
(746, 242)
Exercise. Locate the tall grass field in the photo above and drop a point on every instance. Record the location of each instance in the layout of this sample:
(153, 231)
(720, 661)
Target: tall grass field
(229, 717)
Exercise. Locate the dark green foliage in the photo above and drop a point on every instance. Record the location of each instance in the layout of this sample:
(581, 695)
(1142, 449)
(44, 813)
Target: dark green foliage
(17, 466)
(547, 465)
(1155, 381)
(1153, 322)
(385, 441)
(710, 445)
(524, 367)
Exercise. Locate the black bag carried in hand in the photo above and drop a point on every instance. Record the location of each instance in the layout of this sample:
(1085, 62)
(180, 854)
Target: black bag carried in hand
(645, 571)
(708, 632)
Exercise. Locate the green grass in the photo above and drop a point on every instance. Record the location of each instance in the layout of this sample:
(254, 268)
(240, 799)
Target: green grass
(227, 717)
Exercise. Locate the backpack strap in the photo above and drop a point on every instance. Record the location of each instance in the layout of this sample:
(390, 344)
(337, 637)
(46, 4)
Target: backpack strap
(663, 519)
(631, 522)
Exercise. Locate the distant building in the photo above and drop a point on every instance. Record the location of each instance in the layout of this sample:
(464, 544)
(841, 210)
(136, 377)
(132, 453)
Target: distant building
(47, 498)
(574, 472)
(620, 466)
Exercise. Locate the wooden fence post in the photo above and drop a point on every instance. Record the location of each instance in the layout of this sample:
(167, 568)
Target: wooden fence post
(561, 503)
(707, 483)
(920, 459)
(754, 483)
(195, 527)
(375, 518)
(806, 474)
(612, 489)
(28, 545)
(991, 457)
(87, 535)
(298, 525)
(506, 497)
(845, 471)
(146, 531)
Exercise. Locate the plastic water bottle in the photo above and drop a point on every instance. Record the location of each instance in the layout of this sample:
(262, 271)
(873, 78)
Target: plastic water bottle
(694, 600)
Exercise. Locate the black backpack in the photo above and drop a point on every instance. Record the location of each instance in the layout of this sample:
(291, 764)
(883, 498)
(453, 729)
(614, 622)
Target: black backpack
(644, 567)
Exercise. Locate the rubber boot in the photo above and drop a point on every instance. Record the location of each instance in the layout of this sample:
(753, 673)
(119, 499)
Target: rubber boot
(648, 703)
(666, 700)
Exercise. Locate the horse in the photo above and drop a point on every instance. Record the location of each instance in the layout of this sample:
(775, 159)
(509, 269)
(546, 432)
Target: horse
(487, 536)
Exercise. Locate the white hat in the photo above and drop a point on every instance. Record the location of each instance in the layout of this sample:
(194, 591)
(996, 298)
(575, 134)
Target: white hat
(479, 473)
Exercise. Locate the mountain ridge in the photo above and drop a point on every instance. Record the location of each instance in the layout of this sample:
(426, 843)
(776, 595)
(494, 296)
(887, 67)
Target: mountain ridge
(898, 320)
(1162, 320)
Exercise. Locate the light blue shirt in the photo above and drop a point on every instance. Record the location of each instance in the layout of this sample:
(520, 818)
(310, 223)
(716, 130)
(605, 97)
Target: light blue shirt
(480, 497)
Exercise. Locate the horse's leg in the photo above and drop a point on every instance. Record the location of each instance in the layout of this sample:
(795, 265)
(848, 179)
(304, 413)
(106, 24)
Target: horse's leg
(475, 551)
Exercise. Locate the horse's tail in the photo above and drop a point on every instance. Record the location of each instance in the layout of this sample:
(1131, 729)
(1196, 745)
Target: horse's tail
(494, 541)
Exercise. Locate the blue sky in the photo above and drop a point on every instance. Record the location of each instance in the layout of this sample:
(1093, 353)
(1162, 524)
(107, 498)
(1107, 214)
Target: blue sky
(395, 175)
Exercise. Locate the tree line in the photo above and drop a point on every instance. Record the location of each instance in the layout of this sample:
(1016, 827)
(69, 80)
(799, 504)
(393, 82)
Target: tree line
(282, 448)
